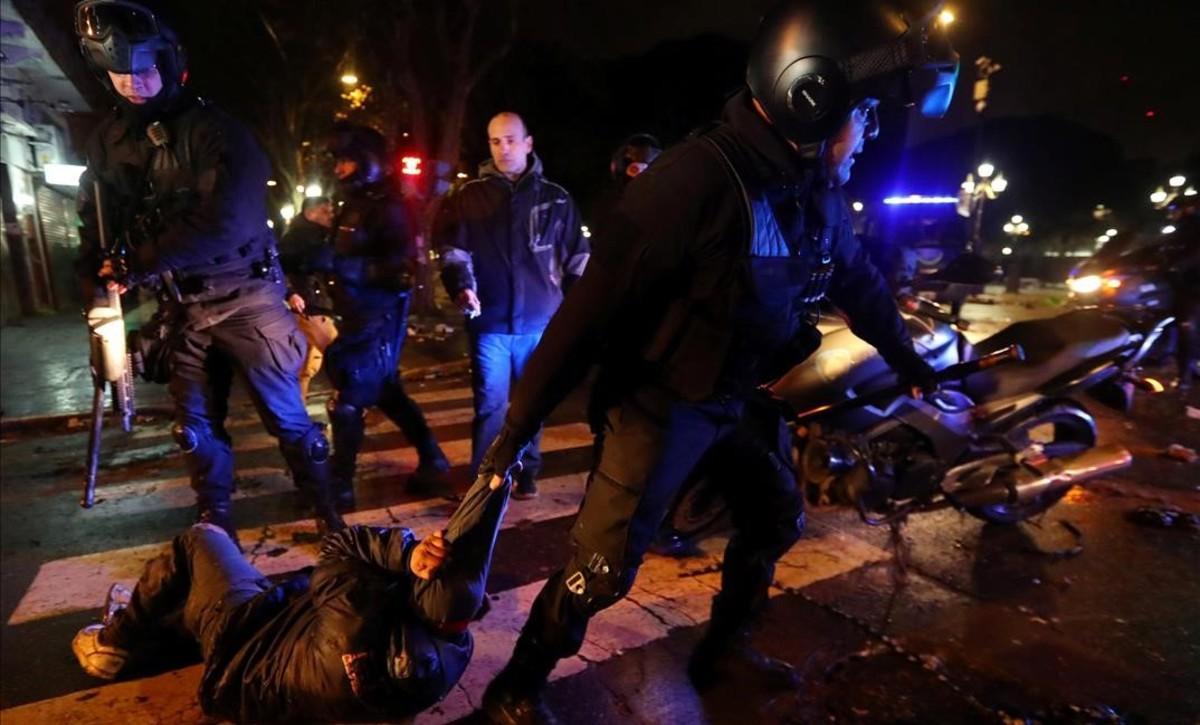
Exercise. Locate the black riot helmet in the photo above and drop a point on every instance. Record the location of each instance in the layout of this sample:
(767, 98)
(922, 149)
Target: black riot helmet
(128, 37)
(813, 61)
(634, 155)
(363, 145)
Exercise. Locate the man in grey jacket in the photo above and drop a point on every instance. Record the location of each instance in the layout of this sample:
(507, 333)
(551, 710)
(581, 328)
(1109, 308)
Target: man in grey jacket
(511, 243)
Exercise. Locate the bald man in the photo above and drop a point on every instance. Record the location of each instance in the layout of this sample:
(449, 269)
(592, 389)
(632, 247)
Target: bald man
(511, 244)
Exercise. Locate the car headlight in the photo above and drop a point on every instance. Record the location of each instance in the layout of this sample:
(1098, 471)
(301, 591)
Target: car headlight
(1084, 285)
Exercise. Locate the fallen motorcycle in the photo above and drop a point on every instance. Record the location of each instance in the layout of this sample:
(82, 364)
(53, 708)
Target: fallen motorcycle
(1004, 438)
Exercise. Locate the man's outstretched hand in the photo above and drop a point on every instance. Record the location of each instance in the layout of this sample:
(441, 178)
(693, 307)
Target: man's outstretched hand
(429, 555)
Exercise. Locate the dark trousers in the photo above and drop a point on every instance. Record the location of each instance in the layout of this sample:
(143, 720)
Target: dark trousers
(362, 365)
(1186, 309)
(202, 575)
(648, 450)
(497, 362)
(257, 338)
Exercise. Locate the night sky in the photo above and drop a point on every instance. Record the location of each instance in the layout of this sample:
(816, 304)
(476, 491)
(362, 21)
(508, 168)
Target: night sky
(1059, 57)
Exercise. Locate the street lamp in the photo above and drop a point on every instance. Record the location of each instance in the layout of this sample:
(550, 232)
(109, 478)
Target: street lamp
(349, 79)
(1015, 228)
(313, 190)
(1177, 181)
(974, 194)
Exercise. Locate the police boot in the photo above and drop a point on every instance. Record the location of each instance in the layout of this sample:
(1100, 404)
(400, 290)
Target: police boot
(514, 696)
(723, 656)
(217, 513)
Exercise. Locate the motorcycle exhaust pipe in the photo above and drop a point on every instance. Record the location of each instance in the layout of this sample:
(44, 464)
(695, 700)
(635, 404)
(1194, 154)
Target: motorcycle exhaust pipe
(1055, 474)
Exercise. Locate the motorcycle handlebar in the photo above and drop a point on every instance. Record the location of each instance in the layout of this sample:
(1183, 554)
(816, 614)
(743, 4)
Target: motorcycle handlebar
(921, 306)
(1012, 353)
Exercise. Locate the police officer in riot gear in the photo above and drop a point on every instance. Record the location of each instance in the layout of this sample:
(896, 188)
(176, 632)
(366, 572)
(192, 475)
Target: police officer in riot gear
(704, 288)
(186, 184)
(372, 262)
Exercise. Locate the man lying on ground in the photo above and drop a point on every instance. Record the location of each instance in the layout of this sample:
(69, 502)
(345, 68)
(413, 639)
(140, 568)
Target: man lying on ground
(377, 631)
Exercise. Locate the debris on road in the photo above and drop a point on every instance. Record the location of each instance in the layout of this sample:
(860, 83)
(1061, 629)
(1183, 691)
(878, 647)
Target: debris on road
(1163, 517)
(1182, 453)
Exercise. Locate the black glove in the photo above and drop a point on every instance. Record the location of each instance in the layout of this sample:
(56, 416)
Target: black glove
(503, 456)
(914, 372)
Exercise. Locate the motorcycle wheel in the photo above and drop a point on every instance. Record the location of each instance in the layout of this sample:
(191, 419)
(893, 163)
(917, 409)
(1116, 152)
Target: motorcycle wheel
(1063, 430)
(698, 511)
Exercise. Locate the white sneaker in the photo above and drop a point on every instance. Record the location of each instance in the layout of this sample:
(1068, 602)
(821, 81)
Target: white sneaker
(97, 659)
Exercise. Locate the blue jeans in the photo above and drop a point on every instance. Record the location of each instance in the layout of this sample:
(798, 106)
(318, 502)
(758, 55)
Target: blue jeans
(497, 361)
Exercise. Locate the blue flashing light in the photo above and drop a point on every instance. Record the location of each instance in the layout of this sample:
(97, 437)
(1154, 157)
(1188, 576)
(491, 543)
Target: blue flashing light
(919, 199)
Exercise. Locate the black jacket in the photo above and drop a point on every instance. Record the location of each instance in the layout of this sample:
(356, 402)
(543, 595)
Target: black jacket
(657, 304)
(517, 244)
(302, 244)
(373, 255)
(200, 201)
(349, 649)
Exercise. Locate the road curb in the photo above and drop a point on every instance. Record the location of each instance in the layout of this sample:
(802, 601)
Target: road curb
(79, 420)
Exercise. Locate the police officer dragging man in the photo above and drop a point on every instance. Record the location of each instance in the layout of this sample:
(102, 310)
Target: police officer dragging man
(186, 184)
(703, 288)
(371, 264)
(377, 632)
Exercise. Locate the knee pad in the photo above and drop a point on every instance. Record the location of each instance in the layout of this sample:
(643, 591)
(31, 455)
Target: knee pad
(313, 446)
(595, 583)
(189, 437)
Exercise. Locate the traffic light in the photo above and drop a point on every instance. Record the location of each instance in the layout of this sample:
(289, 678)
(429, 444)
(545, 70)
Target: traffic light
(410, 165)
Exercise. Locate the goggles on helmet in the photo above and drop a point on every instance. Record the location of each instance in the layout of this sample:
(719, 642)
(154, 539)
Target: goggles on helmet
(99, 19)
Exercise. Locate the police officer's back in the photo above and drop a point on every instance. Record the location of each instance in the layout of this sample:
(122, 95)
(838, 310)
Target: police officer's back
(372, 262)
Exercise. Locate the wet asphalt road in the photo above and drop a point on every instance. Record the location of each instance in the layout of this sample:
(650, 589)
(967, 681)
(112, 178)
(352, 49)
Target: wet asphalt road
(1080, 616)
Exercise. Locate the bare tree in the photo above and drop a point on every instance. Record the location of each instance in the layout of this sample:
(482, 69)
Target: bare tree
(438, 53)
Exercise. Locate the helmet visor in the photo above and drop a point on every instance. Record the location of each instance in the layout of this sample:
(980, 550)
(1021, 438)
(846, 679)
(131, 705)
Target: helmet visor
(100, 20)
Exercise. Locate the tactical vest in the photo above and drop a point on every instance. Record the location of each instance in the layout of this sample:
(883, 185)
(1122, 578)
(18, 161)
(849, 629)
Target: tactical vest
(728, 341)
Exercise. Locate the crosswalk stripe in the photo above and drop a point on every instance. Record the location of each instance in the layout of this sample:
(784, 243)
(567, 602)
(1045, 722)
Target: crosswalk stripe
(669, 593)
(156, 493)
(79, 583)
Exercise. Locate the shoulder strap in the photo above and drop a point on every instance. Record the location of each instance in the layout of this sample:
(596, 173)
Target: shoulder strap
(717, 139)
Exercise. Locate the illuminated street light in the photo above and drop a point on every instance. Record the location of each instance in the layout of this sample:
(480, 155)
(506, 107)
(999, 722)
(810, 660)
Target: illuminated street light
(1159, 196)
(945, 17)
(1009, 228)
(349, 79)
(287, 211)
(299, 188)
(857, 206)
(270, 224)
(999, 184)
(1006, 251)
(461, 175)
(271, 182)
(1168, 229)
(1110, 233)
(1190, 191)
(1103, 238)
(986, 170)
(1017, 218)
(313, 190)
(1177, 181)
